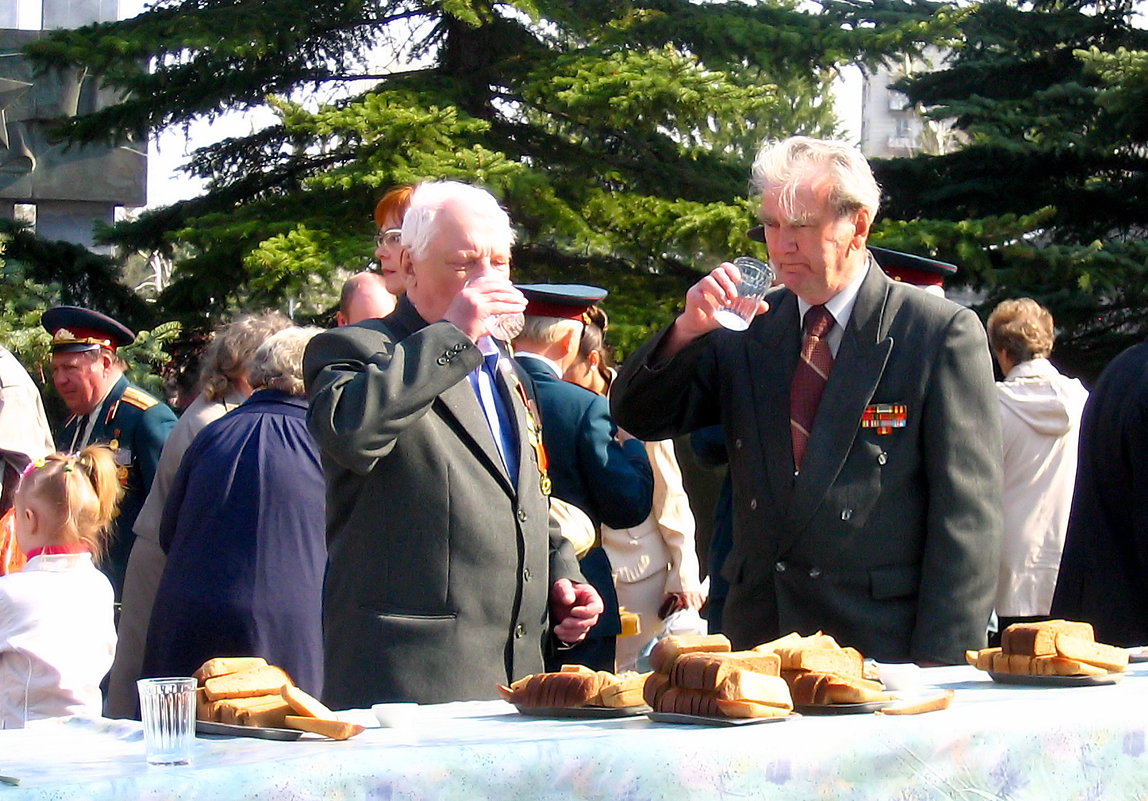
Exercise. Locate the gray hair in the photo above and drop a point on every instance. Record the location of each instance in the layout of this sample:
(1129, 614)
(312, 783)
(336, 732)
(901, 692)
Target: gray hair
(420, 224)
(278, 362)
(546, 330)
(229, 351)
(788, 162)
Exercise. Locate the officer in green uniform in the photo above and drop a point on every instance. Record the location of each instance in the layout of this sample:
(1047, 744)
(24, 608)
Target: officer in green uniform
(106, 408)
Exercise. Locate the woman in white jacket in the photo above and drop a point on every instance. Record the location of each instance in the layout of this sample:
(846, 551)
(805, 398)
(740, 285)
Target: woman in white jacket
(655, 565)
(1040, 420)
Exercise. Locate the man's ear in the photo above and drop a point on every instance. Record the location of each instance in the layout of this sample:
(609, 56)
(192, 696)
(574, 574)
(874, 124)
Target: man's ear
(406, 265)
(569, 343)
(862, 224)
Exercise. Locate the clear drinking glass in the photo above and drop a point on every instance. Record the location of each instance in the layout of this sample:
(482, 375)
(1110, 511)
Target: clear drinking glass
(756, 278)
(167, 707)
(505, 327)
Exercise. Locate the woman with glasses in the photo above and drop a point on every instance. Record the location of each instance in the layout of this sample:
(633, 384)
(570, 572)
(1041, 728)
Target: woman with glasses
(389, 213)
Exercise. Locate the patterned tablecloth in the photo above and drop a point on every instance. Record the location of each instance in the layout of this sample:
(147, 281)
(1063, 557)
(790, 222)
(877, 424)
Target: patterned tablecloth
(995, 742)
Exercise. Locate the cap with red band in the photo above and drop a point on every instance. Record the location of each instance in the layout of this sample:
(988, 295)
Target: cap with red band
(564, 301)
(75, 329)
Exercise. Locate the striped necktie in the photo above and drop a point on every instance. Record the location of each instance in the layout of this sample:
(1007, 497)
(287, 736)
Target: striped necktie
(809, 379)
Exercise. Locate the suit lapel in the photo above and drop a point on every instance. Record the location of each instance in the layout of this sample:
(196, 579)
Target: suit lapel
(857, 371)
(772, 360)
(459, 402)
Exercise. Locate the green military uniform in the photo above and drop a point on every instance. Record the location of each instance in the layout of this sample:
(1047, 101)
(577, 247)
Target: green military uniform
(129, 420)
(135, 425)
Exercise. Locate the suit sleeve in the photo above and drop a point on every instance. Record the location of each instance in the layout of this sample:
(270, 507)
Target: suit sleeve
(962, 462)
(617, 475)
(660, 401)
(365, 388)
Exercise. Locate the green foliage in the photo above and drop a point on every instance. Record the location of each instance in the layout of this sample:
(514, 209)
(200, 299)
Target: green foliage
(618, 134)
(23, 300)
(1049, 199)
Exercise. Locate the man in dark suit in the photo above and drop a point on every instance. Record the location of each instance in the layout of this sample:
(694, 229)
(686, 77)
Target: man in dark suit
(610, 480)
(864, 453)
(1103, 575)
(444, 575)
(106, 408)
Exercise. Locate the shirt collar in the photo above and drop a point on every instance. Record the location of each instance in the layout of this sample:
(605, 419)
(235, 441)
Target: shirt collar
(554, 368)
(841, 304)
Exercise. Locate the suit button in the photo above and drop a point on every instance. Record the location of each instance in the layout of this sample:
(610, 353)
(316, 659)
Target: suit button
(780, 567)
(814, 572)
(753, 503)
(521, 515)
(846, 514)
(442, 360)
(526, 574)
(737, 444)
(519, 631)
(882, 457)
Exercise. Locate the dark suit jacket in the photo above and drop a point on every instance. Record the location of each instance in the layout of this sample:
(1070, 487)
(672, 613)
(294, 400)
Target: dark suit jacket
(611, 482)
(887, 541)
(136, 426)
(1104, 568)
(439, 569)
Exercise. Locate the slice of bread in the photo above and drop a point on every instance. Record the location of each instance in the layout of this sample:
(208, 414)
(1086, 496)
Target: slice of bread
(666, 651)
(225, 665)
(688, 702)
(335, 729)
(932, 703)
(625, 690)
(303, 704)
(1109, 657)
(653, 688)
(745, 685)
(842, 661)
(272, 714)
(265, 680)
(751, 709)
(231, 710)
(1039, 639)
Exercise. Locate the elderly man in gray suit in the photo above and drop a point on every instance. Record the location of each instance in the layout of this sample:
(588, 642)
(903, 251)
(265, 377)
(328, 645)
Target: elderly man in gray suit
(444, 577)
(860, 420)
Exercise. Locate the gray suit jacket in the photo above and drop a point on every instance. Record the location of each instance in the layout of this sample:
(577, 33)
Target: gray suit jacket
(439, 569)
(888, 541)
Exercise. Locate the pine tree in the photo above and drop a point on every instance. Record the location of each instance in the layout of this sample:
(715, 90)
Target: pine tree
(618, 134)
(1048, 198)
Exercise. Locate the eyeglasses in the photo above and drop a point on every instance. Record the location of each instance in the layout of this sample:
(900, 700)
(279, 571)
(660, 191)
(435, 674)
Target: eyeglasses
(390, 238)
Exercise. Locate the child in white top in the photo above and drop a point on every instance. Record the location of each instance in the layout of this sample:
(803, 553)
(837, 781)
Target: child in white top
(57, 631)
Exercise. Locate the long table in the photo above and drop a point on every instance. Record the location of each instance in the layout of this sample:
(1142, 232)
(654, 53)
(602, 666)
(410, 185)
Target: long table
(996, 742)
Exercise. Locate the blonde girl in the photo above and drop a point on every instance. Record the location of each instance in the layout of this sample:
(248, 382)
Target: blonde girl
(57, 631)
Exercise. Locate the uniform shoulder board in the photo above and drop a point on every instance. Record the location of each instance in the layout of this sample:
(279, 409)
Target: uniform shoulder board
(138, 398)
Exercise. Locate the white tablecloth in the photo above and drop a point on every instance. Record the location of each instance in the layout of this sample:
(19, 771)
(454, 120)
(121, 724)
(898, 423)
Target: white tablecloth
(996, 741)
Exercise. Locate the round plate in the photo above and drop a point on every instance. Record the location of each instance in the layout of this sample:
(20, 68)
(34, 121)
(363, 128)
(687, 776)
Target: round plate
(231, 730)
(707, 720)
(590, 712)
(841, 709)
(1056, 681)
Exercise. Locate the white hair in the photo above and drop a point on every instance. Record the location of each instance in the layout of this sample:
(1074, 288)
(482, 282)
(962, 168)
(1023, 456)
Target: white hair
(278, 362)
(420, 224)
(787, 163)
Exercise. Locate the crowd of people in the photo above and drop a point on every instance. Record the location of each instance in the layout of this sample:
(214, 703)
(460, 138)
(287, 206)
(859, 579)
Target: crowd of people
(409, 507)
